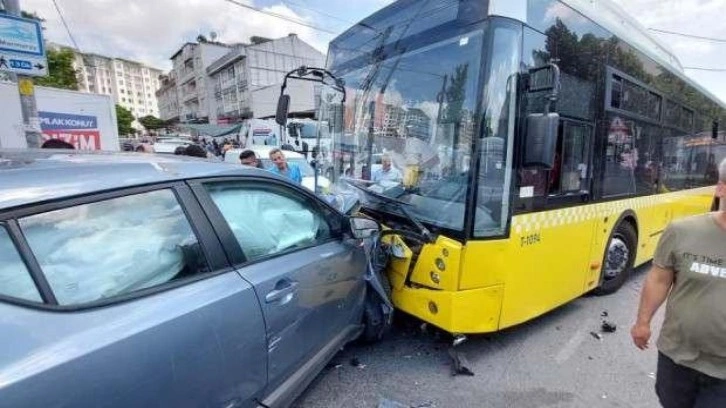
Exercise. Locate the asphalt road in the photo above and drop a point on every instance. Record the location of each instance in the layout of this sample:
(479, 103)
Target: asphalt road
(552, 361)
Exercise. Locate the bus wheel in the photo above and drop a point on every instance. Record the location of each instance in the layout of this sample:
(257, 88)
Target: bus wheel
(619, 259)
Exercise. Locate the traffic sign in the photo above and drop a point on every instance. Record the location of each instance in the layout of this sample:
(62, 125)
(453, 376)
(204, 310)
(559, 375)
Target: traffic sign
(21, 46)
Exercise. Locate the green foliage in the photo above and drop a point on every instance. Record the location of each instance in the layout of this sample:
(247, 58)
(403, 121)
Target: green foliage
(456, 94)
(61, 73)
(124, 117)
(583, 57)
(31, 15)
(151, 122)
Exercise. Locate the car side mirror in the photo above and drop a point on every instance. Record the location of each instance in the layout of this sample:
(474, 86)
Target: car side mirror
(283, 104)
(363, 227)
(541, 140)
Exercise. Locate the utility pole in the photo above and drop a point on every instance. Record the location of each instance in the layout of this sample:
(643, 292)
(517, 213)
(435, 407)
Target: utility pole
(31, 121)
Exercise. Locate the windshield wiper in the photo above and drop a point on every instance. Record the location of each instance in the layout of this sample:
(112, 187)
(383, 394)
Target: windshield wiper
(400, 206)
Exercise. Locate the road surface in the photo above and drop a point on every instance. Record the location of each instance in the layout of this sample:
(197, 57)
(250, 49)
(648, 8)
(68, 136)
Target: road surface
(552, 361)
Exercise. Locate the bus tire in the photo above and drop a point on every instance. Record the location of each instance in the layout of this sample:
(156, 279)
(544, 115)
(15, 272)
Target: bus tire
(618, 260)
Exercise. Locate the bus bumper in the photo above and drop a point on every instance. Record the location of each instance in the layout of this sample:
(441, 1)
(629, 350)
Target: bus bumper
(463, 311)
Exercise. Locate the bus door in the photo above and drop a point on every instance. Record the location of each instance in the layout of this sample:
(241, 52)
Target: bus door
(569, 224)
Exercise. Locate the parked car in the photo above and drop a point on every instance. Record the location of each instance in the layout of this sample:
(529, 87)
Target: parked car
(169, 145)
(263, 154)
(131, 280)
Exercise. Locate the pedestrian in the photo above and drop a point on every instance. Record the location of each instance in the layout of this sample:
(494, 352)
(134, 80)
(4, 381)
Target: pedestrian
(56, 144)
(283, 168)
(195, 150)
(387, 172)
(249, 158)
(689, 269)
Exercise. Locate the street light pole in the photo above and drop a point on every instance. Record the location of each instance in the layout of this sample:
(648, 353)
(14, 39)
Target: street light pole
(31, 121)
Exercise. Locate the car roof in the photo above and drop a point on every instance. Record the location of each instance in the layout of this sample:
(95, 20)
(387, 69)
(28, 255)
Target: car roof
(31, 176)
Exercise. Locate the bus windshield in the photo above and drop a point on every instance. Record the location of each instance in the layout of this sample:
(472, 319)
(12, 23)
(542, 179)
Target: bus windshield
(408, 126)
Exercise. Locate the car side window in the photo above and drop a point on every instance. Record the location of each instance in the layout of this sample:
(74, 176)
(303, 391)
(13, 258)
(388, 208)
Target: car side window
(267, 221)
(103, 249)
(15, 280)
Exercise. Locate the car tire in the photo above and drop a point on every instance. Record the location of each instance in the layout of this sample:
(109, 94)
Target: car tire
(374, 319)
(618, 259)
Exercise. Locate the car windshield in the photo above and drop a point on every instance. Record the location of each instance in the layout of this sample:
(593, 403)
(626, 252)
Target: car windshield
(409, 126)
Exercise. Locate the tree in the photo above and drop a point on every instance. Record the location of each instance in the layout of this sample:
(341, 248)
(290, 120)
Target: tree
(151, 122)
(32, 15)
(124, 117)
(61, 73)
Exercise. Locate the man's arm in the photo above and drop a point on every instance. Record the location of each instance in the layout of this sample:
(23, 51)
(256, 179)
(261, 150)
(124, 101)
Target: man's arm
(655, 290)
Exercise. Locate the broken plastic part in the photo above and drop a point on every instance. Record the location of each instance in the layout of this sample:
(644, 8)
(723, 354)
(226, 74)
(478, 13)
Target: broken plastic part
(608, 327)
(459, 339)
(461, 365)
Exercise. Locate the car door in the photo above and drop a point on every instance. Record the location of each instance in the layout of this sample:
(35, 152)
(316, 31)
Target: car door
(308, 276)
(134, 304)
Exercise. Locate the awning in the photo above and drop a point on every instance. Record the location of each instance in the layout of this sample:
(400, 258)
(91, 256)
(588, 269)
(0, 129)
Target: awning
(209, 130)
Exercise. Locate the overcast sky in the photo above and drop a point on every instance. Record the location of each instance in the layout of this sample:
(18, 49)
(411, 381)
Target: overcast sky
(151, 31)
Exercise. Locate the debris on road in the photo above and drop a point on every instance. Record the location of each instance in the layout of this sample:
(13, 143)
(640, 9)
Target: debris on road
(333, 365)
(596, 335)
(608, 326)
(604, 313)
(356, 363)
(459, 339)
(461, 365)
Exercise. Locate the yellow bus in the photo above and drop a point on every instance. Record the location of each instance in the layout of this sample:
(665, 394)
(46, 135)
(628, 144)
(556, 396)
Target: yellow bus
(537, 150)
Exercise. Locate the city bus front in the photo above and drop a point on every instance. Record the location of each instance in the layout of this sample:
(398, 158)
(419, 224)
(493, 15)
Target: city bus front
(426, 137)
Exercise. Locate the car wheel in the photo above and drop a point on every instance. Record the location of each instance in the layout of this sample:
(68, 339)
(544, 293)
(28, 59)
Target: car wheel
(374, 319)
(618, 260)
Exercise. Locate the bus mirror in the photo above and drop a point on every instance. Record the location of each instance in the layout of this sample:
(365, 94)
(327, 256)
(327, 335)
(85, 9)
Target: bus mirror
(282, 107)
(541, 140)
(544, 78)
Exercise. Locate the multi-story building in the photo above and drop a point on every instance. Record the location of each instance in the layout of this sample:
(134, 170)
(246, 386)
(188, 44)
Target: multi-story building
(220, 83)
(187, 95)
(132, 84)
(247, 79)
(168, 97)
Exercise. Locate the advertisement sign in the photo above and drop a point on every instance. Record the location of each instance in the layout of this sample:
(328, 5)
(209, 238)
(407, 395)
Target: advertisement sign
(21, 46)
(79, 130)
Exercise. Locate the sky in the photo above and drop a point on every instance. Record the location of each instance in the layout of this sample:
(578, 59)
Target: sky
(151, 31)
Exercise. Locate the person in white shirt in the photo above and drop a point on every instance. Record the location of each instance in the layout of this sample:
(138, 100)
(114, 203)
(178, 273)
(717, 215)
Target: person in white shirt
(387, 172)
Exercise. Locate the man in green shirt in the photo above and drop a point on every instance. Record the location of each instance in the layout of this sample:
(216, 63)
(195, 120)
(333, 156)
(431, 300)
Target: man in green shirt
(689, 268)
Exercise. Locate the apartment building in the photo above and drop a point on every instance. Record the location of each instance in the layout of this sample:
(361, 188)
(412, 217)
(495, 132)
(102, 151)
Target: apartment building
(247, 79)
(219, 83)
(132, 84)
(186, 92)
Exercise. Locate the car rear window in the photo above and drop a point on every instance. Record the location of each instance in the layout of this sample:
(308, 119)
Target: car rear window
(113, 247)
(15, 280)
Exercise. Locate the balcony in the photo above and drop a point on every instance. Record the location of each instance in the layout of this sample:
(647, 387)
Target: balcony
(190, 97)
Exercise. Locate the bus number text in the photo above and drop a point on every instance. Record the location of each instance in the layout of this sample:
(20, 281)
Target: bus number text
(530, 239)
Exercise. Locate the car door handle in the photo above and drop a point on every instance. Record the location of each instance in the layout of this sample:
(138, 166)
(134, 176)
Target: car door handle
(283, 291)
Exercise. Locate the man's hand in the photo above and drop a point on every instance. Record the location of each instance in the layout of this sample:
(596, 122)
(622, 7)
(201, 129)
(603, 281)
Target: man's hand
(641, 334)
(655, 290)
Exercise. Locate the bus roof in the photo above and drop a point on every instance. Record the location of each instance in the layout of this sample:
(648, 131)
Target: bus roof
(605, 13)
(613, 18)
